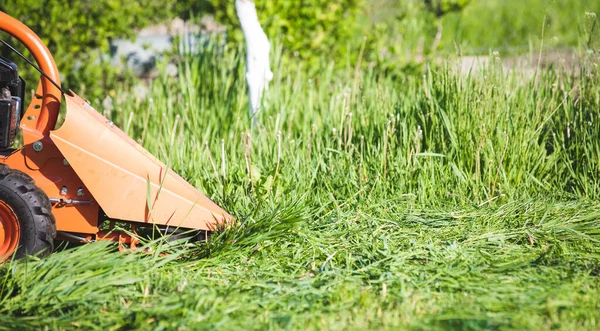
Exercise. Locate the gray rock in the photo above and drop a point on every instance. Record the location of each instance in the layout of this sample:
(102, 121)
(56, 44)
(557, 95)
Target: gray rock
(141, 54)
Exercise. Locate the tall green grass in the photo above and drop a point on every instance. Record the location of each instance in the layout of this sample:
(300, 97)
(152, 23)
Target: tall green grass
(441, 201)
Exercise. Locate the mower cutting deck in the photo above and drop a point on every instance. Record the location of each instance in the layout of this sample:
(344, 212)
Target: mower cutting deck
(72, 179)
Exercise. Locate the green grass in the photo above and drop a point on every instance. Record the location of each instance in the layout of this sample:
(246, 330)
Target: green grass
(363, 202)
(510, 27)
(520, 26)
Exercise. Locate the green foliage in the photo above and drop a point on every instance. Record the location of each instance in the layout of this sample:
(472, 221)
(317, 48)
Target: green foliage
(518, 26)
(443, 7)
(405, 31)
(72, 30)
(400, 35)
(343, 30)
(307, 30)
(76, 26)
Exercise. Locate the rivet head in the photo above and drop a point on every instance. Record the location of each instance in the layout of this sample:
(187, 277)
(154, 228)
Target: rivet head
(63, 190)
(110, 123)
(38, 146)
(80, 192)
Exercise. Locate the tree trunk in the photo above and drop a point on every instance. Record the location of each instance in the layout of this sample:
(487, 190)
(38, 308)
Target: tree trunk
(258, 71)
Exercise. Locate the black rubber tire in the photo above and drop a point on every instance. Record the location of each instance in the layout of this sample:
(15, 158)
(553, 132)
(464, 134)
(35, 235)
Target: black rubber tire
(33, 210)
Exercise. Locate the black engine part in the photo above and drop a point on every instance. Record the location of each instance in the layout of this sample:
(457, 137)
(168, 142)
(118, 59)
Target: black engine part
(12, 92)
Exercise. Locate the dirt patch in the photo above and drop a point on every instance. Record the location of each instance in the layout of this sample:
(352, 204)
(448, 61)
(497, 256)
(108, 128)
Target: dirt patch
(565, 60)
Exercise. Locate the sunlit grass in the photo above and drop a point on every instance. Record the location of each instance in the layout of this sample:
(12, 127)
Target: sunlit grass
(363, 202)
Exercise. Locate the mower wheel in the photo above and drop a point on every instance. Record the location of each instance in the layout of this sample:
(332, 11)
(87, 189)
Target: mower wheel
(27, 225)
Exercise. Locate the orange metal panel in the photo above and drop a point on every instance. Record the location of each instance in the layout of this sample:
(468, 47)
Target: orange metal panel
(48, 169)
(121, 175)
(51, 178)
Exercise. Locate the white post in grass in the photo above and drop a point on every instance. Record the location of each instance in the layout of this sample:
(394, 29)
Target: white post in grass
(258, 71)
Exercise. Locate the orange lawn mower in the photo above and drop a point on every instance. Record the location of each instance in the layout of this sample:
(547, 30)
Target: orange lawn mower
(65, 183)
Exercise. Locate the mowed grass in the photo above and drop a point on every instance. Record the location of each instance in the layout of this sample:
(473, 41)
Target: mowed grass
(440, 201)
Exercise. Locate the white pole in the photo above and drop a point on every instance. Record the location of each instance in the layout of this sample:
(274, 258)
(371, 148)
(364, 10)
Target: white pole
(258, 71)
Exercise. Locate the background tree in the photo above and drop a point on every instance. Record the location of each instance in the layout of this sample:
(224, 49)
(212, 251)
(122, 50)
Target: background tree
(440, 8)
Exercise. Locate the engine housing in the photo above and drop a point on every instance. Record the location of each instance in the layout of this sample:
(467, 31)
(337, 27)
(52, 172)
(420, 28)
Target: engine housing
(12, 92)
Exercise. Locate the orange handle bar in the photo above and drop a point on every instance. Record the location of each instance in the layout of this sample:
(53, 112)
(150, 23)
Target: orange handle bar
(52, 96)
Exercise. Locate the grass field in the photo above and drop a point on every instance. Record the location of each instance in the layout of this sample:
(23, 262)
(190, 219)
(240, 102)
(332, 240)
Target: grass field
(434, 202)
